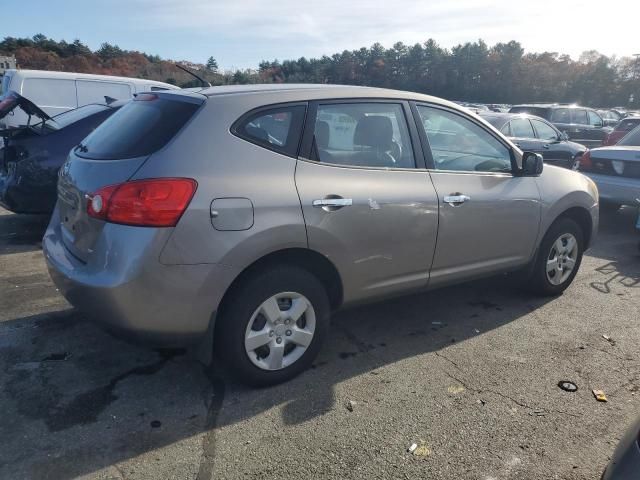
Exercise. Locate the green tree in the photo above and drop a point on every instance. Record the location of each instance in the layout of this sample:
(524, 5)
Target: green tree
(212, 65)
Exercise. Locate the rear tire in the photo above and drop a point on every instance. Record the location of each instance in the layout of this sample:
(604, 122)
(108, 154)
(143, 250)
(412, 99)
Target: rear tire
(558, 259)
(272, 326)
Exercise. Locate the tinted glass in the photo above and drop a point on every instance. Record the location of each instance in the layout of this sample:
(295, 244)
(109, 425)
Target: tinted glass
(363, 134)
(140, 128)
(278, 128)
(628, 125)
(594, 119)
(579, 117)
(521, 128)
(561, 115)
(545, 132)
(631, 139)
(459, 144)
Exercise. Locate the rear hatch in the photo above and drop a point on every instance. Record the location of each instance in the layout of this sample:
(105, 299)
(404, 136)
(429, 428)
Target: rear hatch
(111, 155)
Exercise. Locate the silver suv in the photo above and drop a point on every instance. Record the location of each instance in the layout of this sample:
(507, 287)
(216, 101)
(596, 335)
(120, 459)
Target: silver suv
(253, 212)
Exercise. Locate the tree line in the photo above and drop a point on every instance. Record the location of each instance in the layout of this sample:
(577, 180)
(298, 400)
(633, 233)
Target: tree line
(473, 71)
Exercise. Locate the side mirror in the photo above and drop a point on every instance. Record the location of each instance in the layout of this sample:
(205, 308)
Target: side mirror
(532, 164)
(564, 137)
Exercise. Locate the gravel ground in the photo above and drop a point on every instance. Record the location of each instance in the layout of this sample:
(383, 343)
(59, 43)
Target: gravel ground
(469, 374)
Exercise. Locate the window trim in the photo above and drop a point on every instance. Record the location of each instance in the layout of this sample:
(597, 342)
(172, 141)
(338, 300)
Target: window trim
(427, 146)
(235, 128)
(307, 137)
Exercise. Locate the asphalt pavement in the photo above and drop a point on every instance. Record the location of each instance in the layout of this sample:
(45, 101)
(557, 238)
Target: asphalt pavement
(468, 374)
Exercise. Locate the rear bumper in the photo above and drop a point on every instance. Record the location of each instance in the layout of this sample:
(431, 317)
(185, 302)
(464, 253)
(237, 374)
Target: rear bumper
(620, 190)
(130, 292)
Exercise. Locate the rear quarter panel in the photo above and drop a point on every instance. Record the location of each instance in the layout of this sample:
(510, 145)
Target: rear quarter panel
(226, 166)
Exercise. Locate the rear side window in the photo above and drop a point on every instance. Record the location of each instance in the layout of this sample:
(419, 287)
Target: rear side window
(561, 115)
(277, 128)
(579, 117)
(521, 128)
(138, 129)
(545, 132)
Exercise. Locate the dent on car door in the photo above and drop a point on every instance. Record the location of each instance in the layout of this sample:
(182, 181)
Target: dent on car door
(489, 218)
(367, 207)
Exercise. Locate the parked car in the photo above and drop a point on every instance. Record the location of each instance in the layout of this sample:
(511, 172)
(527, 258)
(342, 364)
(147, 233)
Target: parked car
(616, 171)
(253, 212)
(582, 125)
(625, 463)
(610, 117)
(534, 134)
(31, 156)
(620, 130)
(57, 92)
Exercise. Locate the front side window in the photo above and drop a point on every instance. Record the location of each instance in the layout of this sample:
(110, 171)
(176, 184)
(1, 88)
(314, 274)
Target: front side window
(594, 119)
(363, 134)
(459, 144)
(545, 132)
(561, 115)
(277, 128)
(579, 117)
(521, 128)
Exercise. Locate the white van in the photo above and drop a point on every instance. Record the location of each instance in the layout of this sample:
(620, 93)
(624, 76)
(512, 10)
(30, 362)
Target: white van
(57, 92)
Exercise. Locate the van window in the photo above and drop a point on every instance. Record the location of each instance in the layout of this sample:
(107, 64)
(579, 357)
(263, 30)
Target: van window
(94, 92)
(4, 87)
(277, 129)
(138, 129)
(50, 92)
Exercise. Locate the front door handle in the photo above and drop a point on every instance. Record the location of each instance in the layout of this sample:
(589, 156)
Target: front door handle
(331, 204)
(546, 145)
(456, 199)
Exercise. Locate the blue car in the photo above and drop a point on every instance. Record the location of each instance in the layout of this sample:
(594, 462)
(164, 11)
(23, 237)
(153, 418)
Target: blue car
(31, 155)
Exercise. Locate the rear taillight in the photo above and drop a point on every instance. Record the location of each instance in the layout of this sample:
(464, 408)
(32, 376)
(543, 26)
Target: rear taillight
(585, 161)
(157, 202)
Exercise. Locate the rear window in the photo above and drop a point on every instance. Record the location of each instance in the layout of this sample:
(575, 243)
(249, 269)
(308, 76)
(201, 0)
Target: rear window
(72, 116)
(628, 125)
(138, 129)
(631, 139)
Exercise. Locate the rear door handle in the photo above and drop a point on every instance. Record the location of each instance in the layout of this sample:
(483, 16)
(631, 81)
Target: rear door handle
(330, 204)
(546, 145)
(456, 199)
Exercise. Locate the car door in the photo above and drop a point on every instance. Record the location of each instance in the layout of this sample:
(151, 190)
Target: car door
(555, 151)
(489, 217)
(581, 130)
(367, 205)
(523, 136)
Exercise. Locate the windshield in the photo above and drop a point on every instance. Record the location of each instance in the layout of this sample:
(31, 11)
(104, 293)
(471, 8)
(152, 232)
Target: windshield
(72, 116)
(631, 139)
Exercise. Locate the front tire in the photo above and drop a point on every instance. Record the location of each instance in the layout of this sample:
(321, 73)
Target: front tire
(558, 259)
(272, 326)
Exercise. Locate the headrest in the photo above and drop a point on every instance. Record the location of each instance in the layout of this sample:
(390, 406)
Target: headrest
(374, 131)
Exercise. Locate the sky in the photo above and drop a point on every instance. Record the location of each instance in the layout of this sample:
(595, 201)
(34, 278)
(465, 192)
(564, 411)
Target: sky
(241, 33)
